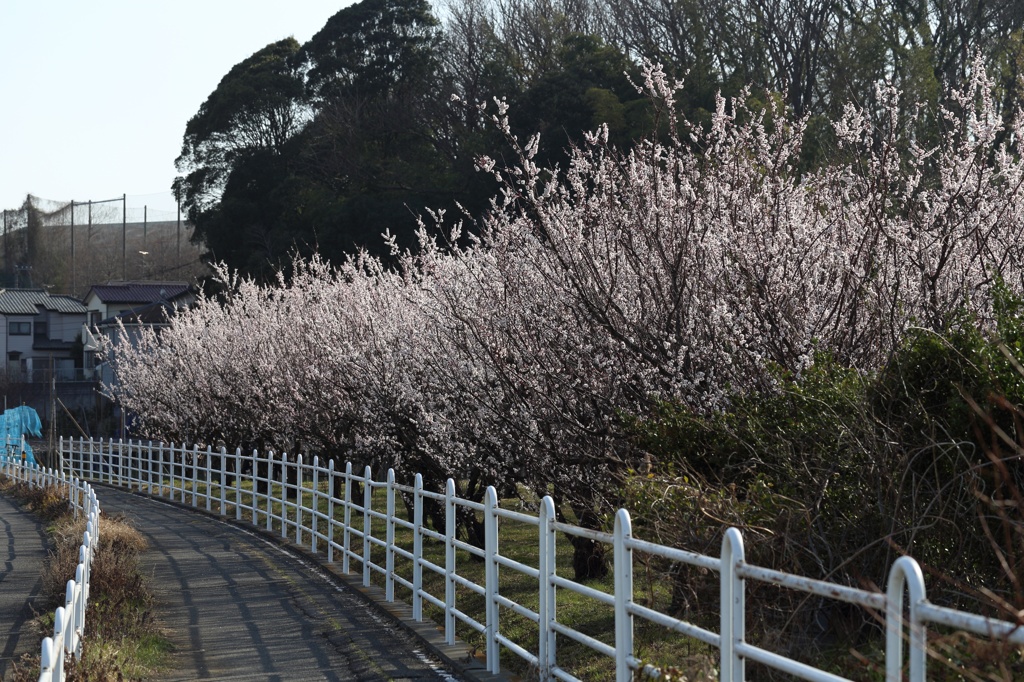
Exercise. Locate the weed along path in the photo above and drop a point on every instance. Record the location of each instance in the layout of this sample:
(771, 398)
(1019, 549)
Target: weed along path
(237, 606)
(24, 548)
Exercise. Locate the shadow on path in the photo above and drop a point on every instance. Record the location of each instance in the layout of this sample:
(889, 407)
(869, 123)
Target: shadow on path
(239, 607)
(25, 547)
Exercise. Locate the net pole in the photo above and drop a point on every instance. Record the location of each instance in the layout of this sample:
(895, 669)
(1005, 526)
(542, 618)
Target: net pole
(73, 288)
(124, 237)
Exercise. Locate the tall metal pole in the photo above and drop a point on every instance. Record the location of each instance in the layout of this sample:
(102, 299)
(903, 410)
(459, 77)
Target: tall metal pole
(7, 252)
(72, 247)
(177, 198)
(124, 237)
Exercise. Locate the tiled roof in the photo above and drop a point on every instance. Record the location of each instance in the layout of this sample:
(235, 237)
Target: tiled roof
(151, 314)
(65, 304)
(138, 292)
(28, 302)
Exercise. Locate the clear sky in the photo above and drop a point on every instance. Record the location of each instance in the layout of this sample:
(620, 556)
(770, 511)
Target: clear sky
(95, 95)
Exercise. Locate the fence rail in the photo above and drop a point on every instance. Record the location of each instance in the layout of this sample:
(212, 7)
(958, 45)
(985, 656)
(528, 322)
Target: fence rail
(298, 499)
(69, 620)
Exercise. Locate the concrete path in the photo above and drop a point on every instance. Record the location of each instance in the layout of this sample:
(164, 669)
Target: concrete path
(24, 548)
(238, 606)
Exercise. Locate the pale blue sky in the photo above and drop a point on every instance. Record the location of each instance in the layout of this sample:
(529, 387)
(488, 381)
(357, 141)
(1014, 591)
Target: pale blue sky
(95, 95)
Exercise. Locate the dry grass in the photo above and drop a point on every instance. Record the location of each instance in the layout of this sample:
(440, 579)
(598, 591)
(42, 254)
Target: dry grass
(122, 640)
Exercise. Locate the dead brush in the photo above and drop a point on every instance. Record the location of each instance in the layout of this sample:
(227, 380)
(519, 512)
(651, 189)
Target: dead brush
(48, 503)
(120, 607)
(121, 597)
(997, 487)
(116, 556)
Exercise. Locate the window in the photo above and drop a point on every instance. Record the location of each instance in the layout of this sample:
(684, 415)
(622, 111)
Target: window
(40, 330)
(20, 328)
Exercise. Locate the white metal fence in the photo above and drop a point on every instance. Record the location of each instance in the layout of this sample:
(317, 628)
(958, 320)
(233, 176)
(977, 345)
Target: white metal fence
(69, 620)
(294, 498)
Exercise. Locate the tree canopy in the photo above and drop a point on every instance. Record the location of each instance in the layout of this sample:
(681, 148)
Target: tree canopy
(376, 120)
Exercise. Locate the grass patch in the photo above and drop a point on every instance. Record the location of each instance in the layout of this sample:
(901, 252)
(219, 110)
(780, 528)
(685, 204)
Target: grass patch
(122, 640)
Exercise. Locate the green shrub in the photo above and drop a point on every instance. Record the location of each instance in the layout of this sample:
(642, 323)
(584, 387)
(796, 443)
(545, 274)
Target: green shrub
(837, 472)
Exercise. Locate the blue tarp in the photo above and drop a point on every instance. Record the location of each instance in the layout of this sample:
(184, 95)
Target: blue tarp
(15, 423)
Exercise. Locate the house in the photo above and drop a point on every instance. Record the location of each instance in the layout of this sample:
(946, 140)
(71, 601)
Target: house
(133, 321)
(105, 301)
(40, 333)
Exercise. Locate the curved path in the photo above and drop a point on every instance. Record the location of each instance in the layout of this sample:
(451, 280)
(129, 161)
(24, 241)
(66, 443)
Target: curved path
(24, 548)
(240, 607)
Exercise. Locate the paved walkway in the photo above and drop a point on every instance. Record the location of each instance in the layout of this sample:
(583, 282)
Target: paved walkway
(24, 548)
(240, 607)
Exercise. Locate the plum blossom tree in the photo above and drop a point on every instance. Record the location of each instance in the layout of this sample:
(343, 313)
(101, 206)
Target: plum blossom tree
(691, 269)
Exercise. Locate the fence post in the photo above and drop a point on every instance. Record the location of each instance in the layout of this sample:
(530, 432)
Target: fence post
(389, 557)
(367, 527)
(120, 461)
(195, 475)
(78, 623)
(125, 456)
(73, 493)
(491, 580)
(92, 461)
(449, 562)
(315, 503)
(270, 489)
(136, 473)
(284, 494)
(905, 571)
(331, 473)
(346, 533)
(135, 465)
(69, 613)
(299, 478)
(184, 457)
(732, 608)
(149, 466)
(209, 475)
(59, 638)
(223, 481)
(160, 468)
(89, 544)
(110, 460)
(623, 597)
(546, 563)
(238, 486)
(170, 469)
(255, 487)
(417, 548)
(46, 659)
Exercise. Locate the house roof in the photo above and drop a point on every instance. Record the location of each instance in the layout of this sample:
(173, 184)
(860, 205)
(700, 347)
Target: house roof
(28, 302)
(138, 292)
(158, 313)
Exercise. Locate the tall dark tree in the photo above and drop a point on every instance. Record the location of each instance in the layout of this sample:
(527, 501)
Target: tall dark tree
(241, 132)
(586, 85)
(381, 149)
(257, 107)
(372, 48)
